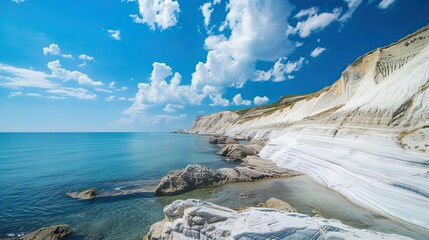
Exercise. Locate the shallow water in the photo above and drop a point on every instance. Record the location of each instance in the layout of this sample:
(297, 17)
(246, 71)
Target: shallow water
(37, 169)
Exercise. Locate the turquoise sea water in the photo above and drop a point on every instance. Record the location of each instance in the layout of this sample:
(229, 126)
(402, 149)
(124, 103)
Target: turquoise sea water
(37, 169)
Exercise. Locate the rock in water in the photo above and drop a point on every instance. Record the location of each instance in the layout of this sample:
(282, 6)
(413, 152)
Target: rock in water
(278, 205)
(49, 233)
(189, 178)
(84, 195)
(197, 176)
(196, 219)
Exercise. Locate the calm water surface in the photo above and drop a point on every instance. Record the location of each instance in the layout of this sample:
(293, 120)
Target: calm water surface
(36, 169)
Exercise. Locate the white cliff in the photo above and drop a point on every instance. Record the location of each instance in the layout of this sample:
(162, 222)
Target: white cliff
(195, 219)
(366, 136)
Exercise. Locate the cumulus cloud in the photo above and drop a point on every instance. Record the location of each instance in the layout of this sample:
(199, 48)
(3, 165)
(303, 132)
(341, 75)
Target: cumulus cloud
(317, 51)
(281, 70)
(66, 75)
(54, 49)
(172, 107)
(314, 21)
(160, 90)
(257, 32)
(115, 34)
(260, 100)
(206, 10)
(384, 4)
(238, 100)
(86, 57)
(157, 13)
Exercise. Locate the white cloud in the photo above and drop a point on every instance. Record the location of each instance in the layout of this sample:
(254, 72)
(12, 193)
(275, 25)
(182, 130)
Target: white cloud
(317, 51)
(206, 10)
(66, 75)
(82, 64)
(79, 93)
(257, 33)
(172, 107)
(33, 94)
(112, 84)
(260, 100)
(159, 91)
(115, 34)
(18, 1)
(217, 100)
(157, 13)
(314, 21)
(352, 6)
(13, 77)
(86, 57)
(15, 94)
(299, 44)
(238, 100)
(54, 49)
(110, 98)
(307, 12)
(280, 71)
(384, 4)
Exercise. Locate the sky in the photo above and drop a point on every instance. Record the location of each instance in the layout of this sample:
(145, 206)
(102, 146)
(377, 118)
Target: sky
(154, 65)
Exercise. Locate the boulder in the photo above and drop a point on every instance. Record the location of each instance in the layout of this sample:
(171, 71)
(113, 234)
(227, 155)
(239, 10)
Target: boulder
(49, 233)
(237, 152)
(278, 205)
(84, 195)
(190, 178)
(197, 176)
(220, 140)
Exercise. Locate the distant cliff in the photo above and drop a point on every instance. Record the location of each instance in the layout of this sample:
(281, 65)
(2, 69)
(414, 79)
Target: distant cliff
(365, 136)
(386, 88)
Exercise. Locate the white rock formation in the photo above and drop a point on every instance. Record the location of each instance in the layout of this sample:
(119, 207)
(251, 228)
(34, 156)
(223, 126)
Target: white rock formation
(366, 136)
(195, 219)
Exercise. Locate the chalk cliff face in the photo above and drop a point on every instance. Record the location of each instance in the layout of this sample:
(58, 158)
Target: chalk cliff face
(366, 136)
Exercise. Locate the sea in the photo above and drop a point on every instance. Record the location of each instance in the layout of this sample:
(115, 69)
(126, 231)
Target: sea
(38, 169)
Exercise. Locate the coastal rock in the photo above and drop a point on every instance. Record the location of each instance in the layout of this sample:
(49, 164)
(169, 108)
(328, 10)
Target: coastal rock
(237, 152)
(84, 195)
(220, 140)
(189, 178)
(196, 219)
(49, 233)
(278, 205)
(197, 176)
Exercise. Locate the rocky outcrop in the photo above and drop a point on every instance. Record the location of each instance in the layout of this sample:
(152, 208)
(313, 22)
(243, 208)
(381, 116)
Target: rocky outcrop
(237, 152)
(221, 140)
(278, 205)
(190, 178)
(197, 176)
(196, 219)
(84, 195)
(49, 233)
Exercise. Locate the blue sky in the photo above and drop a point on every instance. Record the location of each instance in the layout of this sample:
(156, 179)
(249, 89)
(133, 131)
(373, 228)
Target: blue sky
(153, 65)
